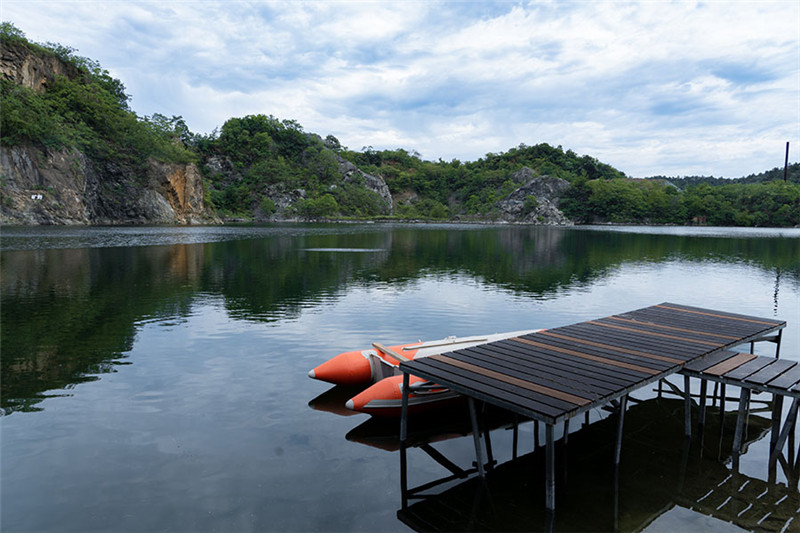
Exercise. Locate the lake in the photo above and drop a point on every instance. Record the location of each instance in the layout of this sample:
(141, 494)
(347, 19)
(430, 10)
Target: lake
(155, 378)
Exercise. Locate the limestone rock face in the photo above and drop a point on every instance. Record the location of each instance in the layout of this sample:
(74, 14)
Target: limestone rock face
(32, 71)
(546, 189)
(42, 186)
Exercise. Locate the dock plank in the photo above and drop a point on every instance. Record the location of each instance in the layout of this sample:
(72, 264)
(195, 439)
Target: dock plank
(703, 363)
(788, 379)
(747, 369)
(770, 372)
(730, 364)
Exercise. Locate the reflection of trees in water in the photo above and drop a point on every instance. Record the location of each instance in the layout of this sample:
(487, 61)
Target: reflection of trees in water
(68, 314)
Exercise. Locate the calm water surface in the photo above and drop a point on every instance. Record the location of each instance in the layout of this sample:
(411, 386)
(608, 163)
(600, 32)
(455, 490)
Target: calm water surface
(154, 379)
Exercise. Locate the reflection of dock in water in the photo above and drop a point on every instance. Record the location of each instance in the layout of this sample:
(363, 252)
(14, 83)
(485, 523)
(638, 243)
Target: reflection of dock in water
(657, 473)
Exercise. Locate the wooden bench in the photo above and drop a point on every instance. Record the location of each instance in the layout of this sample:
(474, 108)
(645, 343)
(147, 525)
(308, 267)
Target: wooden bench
(754, 373)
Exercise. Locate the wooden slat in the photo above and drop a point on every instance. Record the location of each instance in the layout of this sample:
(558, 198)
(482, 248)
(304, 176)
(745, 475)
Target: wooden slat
(695, 322)
(788, 379)
(747, 369)
(583, 378)
(614, 376)
(729, 364)
(637, 368)
(547, 391)
(703, 363)
(648, 362)
(673, 328)
(718, 314)
(676, 349)
(465, 381)
(770, 372)
(641, 331)
(614, 348)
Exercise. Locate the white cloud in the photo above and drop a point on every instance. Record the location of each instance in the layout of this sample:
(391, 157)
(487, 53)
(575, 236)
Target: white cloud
(671, 88)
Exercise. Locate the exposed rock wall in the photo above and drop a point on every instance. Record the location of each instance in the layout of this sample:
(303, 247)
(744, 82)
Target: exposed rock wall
(547, 191)
(65, 187)
(32, 71)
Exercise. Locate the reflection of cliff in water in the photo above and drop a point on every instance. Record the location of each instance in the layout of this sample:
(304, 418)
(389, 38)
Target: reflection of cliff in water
(657, 473)
(69, 314)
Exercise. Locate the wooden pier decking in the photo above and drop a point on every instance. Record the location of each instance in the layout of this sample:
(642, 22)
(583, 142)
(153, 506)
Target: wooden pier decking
(557, 374)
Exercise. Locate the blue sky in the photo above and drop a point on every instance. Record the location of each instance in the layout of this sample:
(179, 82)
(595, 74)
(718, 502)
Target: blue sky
(669, 88)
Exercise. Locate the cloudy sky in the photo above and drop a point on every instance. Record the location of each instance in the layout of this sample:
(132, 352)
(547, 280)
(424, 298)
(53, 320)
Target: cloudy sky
(670, 88)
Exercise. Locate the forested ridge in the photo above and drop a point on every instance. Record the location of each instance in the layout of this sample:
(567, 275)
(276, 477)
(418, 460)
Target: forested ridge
(260, 167)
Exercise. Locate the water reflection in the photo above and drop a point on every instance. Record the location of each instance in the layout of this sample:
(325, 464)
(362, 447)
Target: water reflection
(658, 472)
(69, 314)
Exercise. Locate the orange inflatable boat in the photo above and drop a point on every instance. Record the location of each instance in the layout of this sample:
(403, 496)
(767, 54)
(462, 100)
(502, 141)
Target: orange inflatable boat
(379, 366)
(361, 367)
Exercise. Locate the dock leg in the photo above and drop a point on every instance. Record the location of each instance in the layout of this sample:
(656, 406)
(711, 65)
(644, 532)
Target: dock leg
(550, 470)
(404, 410)
(476, 435)
(403, 437)
(623, 405)
(515, 438)
(744, 398)
(535, 434)
(777, 411)
(687, 410)
(701, 423)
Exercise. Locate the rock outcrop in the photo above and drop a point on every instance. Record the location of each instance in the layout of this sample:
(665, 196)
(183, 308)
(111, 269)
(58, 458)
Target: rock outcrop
(42, 186)
(535, 201)
(32, 71)
(351, 173)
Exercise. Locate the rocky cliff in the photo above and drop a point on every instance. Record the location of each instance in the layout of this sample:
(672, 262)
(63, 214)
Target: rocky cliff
(42, 185)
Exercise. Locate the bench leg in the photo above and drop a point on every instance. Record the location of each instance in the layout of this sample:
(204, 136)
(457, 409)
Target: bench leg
(744, 399)
(476, 435)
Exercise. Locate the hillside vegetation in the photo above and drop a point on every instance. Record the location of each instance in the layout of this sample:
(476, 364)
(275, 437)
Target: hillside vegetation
(260, 167)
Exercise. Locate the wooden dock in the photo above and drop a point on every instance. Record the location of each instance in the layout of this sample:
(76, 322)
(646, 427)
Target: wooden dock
(557, 374)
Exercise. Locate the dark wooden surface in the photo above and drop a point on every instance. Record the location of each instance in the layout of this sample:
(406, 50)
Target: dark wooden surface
(555, 374)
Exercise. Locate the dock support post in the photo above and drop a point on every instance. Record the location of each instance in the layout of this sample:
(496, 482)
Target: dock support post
(744, 398)
(777, 411)
(403, 437)
(701, 423)
(550, 470)
(404, 410)
(515, 437)
(476, 435)
(687, 410)
(623, 404)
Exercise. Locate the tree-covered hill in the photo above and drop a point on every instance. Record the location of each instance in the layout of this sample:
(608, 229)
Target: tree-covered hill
(776, 174)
